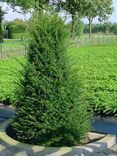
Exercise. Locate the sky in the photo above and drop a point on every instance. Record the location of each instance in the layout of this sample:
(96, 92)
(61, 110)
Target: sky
(13, 15)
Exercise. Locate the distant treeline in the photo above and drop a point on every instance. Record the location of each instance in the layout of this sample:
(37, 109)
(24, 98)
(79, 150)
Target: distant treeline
(18, 27)
(102, 28)
(82, 28)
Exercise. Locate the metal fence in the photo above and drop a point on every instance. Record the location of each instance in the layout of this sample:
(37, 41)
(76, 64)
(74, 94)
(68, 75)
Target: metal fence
(95, 40)
(11, 48)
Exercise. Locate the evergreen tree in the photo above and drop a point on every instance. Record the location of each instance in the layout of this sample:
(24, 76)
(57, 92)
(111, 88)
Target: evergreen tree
(50, 112)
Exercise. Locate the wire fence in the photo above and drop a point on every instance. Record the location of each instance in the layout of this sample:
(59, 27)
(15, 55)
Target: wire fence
(95, 40)
(13, 48)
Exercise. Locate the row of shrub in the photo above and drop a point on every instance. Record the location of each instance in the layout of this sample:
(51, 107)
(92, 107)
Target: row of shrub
(16, 29)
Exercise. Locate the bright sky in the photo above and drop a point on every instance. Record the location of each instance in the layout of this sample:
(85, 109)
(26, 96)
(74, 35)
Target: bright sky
(12, 15)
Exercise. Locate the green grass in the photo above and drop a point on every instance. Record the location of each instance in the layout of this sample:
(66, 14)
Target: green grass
(9, 79)
(96, 70)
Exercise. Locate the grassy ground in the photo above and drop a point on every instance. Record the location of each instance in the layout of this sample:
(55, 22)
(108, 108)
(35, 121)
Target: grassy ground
(94, 66)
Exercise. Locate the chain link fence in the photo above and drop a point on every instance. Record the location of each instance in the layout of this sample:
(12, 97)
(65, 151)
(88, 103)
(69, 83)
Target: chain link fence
(11, 48)
(95, 40)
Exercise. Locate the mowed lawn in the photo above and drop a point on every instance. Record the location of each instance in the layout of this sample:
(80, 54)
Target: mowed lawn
(95, 68)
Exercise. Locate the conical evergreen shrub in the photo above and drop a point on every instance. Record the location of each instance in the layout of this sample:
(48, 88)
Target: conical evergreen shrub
(50, 112)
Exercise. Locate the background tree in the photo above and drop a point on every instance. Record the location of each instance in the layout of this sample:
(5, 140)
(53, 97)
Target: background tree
(113, 28)
(91, 13)
(16, 28)
(80, 28)
(104, 10)
(27, 5)
(1, 19)
(75, 8)
(99, 8)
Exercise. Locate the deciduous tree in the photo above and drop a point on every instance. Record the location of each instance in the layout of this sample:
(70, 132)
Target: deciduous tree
(100, 8)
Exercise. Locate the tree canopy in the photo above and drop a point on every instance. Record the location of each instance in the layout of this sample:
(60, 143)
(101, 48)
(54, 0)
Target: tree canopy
(99, 8)
(1, 19)
(26, 5)
(76, 8)
(86, 8)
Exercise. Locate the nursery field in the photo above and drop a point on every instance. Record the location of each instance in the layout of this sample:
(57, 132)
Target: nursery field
(96, 69)
(94, 66)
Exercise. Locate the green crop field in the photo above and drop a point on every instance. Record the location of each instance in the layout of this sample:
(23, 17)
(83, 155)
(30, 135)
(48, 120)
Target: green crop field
(94, 66)
(96, 69)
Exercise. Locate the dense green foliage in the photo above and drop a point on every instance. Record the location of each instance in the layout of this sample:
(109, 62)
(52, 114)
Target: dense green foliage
(86, 8)
(97, 72)
(16, 28)
(26, 4)
(100, 9)
(96, 68)
(50, 110)
(9, 78)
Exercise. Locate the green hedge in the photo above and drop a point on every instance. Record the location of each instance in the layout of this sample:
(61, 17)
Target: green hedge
(18, 35)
